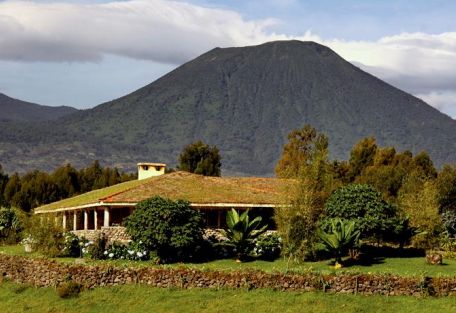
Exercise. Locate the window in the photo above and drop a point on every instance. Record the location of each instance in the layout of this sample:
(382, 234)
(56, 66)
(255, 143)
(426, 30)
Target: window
(145, 167)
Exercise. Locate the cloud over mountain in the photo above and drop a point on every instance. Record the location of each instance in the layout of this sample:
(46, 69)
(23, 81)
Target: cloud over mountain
(174, 32)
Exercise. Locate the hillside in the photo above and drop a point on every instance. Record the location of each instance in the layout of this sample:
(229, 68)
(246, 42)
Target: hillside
(245, 101)
(16, 110)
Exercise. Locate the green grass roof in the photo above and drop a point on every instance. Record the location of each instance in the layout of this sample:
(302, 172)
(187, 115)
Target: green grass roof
(182, 185)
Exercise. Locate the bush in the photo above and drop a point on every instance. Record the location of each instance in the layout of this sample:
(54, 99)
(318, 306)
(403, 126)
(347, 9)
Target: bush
(10, 226)
(69, 290)
(449, 221)
(71, 246)
(242, 232)
(95, 250)
(135, 251)
(375, 218)
(172, 228)
(46, 237)
(268, 246)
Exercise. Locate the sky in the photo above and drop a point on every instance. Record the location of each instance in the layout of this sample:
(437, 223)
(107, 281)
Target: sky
(82, 53)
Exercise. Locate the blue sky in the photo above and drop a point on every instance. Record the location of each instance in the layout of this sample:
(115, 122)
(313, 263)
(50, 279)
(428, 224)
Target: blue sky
(82, 53)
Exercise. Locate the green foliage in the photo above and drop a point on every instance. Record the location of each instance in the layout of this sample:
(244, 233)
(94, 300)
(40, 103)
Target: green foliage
(302, 146)
(242, 231)
(135, 251)
(268, 246)
(449, 221)
(3, 181)
(37, 188)
(375, 218)
(71, 247)
(173, 228)
(200, 158)
(46, 237)
(418, 200)
(96, 250)
(10, 226)
(69, 289)
(341, 236)
(305, 159)
(446, 186)
(361, 156)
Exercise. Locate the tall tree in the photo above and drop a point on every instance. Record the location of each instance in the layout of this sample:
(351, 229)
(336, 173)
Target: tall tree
(200, 158)
(361, 156)
(300, 150)
(305, 160)
(3, 182)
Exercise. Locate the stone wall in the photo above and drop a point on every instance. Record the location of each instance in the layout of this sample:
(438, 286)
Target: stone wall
(112, 233)
(45, 272)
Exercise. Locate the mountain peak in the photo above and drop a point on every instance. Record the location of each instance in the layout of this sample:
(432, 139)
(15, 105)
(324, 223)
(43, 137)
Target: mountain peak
(244, 100)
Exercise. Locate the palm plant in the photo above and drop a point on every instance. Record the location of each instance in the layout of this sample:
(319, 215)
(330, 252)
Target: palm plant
(242, 231)
(341, 237)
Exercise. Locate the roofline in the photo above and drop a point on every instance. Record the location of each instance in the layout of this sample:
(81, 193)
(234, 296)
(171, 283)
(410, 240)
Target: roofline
(132, 204)
(151, 164)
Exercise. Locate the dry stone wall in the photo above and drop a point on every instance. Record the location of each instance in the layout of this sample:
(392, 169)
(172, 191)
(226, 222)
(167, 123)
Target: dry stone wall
(45, 272)
(112, 233)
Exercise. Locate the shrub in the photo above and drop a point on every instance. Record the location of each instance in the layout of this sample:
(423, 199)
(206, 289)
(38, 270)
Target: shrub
(449, 221)
(71, 246)
(135, 251)
(10, 226)
(242, 231)
(172, 228)
(375, 218)
(341, 237)
(69, 290)
(47, 237)
(96, 249)
(268, 246)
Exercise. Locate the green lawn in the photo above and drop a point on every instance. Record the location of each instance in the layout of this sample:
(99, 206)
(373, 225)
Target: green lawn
(412, 266)
(130, 298)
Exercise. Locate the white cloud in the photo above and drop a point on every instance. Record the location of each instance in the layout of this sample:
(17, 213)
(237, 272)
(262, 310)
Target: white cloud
(174, 32)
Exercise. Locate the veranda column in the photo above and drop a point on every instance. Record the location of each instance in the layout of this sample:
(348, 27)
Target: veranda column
(95, 219)
(106, 217)
(86, 220)
(64, 221)
(75, 220)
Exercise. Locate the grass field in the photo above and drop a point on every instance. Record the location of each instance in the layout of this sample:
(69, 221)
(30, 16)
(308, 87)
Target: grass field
(130, 298)
(404, 266)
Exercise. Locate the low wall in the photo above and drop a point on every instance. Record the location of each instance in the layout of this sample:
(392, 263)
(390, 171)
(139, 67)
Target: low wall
(45, 272)
(112, 233)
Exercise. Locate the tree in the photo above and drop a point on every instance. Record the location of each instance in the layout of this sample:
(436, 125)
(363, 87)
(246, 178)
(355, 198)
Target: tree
(172, 228)
(3, 182)
(242, 231)
(200, 158)
(361, 156)
(67, 180)
(374, 217)
(303, 144)
(341, 236)
(305, 160)
(418, 200)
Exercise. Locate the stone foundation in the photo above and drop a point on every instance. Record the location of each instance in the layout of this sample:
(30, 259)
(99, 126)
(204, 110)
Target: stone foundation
(45, 272)
(112, 233)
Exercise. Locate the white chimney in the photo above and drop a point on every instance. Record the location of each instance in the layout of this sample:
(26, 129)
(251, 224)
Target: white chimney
(146, 170)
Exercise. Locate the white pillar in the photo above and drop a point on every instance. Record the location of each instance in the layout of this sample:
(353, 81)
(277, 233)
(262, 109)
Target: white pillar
(75, 220)
(95, 219)
(64, 221)
(56, 219)
(106, 217)
(86, 220)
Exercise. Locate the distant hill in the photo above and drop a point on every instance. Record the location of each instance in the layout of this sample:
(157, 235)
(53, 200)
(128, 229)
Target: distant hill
(245, 101)
(16, 110)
